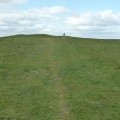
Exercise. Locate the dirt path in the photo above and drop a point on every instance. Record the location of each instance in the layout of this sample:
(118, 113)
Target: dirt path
(63, 112)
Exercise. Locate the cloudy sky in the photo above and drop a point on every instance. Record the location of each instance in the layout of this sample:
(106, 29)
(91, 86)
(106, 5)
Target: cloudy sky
(83, 18)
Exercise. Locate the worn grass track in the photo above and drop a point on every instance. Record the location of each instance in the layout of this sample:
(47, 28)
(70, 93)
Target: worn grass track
(54, 78)
(60, 90)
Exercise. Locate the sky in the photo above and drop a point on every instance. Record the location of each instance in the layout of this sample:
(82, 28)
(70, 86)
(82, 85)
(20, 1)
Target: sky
(81, 18)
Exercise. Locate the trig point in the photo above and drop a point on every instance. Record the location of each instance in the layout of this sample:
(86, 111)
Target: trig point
(63, 34)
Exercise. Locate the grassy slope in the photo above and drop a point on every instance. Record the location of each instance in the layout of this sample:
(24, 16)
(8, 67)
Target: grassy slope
(51, 78)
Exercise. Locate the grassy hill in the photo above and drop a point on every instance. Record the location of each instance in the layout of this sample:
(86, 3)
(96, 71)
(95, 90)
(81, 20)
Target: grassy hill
(44, 77)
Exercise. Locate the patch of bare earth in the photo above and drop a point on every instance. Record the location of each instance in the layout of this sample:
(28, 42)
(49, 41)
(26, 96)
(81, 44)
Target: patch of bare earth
(63, 113)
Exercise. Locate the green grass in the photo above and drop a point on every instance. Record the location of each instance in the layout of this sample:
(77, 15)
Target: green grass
(44, 77)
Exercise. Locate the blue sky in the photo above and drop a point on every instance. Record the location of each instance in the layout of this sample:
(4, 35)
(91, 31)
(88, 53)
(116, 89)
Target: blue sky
(83, 18)
(77, 5)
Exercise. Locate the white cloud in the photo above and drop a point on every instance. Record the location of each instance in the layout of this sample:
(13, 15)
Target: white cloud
(58, 19)
(36, 20)
(32, 14)
(12, 1)
(95, 23)
(103, 18)
(53, 10)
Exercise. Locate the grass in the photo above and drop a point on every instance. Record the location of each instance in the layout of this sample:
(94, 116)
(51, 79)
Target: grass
(44, 77)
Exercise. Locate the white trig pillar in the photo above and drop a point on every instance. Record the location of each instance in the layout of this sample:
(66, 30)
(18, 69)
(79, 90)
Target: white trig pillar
(64, 34)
